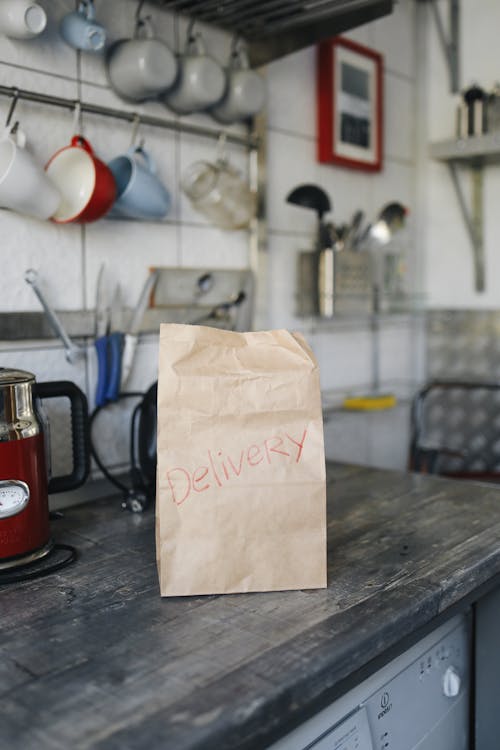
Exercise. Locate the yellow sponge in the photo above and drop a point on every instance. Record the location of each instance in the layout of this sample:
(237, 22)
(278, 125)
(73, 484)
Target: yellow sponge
(370, 403)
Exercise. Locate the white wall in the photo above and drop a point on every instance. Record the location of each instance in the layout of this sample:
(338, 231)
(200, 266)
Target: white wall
(449, 275)
(68, 257)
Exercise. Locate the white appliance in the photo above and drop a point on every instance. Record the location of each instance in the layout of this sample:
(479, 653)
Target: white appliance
(419, 701)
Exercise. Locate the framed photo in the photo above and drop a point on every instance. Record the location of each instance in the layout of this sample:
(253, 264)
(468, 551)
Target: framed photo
(349, 105)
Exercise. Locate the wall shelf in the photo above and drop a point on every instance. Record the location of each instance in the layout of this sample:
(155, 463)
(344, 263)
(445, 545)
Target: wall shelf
(474, 153)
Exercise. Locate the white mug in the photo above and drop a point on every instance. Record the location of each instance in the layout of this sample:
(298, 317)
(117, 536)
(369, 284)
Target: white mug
(140, 68)
(200, 80)
(245, 91)
(21, 19)
(24, 186)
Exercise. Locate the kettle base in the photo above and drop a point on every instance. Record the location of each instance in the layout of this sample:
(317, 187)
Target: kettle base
(30, 557)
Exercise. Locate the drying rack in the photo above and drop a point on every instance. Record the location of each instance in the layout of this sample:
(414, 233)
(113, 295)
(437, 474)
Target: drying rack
(248, 140)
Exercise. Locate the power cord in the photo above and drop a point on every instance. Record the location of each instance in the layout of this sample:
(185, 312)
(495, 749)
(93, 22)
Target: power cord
(135, 497)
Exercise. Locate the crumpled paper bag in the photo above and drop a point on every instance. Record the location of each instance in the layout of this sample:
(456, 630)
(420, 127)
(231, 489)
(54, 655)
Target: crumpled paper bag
(241, 481)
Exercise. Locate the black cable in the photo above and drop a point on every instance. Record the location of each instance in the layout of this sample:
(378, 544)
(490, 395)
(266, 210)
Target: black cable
(113, 480)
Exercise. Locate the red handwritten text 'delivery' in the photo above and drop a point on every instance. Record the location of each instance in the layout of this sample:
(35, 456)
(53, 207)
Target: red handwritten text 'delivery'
(219, 468)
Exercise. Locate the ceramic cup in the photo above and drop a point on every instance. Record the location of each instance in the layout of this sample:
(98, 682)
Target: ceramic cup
(86, 184)
(245, 91)
(24, 186)
(81, 31)
(21, 19)
(140, 194)
(140, 68)
(218, 191)
(200, 80)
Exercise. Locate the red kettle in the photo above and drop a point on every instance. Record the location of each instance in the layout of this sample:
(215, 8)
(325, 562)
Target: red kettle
(25, 463)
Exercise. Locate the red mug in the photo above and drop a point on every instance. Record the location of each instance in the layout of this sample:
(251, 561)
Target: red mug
(86, 184)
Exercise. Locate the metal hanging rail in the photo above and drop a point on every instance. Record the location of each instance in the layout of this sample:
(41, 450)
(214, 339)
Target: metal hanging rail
(247, 141)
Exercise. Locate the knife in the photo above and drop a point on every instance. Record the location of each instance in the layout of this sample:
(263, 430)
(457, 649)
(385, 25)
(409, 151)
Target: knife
(131, 335)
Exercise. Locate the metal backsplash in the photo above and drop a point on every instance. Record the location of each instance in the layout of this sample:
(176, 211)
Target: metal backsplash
(463, 344)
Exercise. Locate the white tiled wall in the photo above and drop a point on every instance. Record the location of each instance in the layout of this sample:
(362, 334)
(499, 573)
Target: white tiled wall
(449, 275)
(68, 257)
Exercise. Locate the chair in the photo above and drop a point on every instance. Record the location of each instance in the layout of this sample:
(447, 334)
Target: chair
(455, 430)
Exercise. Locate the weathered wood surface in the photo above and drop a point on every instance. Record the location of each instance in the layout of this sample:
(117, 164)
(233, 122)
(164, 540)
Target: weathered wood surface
(92, 657)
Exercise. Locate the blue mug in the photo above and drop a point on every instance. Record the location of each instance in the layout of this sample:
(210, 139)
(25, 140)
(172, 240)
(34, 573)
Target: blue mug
(81, 31)
(140, 194)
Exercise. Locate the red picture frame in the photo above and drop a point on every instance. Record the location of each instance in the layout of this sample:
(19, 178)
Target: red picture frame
(349, 105)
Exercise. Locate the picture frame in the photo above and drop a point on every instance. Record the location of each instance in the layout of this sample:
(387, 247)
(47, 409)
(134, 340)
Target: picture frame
(349, 105)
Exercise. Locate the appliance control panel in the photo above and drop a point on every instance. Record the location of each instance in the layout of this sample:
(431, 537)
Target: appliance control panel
(352, 734)
(418, 700)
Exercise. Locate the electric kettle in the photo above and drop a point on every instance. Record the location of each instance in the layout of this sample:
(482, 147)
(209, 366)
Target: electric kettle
(25, 463)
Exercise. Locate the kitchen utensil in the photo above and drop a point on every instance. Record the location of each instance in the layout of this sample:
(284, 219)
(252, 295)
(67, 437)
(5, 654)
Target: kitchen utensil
(24, 186)
(71, 350)
(86, 184)
(21, 19)
(475, 98)
(24, 463)
(200, 79)
(245, 90)
(131, 335)
(313, 197)
(81, 31)
(140, 193)
(142, 67)
(310, 196)
(218, 191)
(108, 341)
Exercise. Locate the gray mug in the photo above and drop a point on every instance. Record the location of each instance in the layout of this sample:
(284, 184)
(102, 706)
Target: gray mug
(140, 193)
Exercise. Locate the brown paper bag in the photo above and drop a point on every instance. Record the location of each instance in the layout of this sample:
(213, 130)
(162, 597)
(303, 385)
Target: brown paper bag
(241, 498)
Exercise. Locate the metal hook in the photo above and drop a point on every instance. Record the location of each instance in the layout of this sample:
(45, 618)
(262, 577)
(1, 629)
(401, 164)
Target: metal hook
(221, 147)
(138, 10)
(190, 37)
(77, 117)
(135, 127)
(12, 107)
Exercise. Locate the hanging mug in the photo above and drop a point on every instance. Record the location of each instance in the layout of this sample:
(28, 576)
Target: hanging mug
(21, 19)
(245, 91)
(140, 68)
(140, 193)
(81, 31)
(86, 184)
(24, 186)
(200, 80)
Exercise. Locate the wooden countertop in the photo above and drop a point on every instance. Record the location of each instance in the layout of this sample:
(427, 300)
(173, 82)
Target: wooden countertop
(93, 657)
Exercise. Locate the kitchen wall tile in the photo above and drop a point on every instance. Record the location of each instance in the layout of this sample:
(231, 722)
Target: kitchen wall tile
(54, 251)
(291, 93)
(46, 53)
(128, 249)
(393, 36)
(344, 358)
(399, 118)
(202, 247)
(396, 183)
(290, 161)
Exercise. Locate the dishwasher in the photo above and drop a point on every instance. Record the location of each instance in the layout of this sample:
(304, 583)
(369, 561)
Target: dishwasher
(418, 701)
